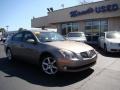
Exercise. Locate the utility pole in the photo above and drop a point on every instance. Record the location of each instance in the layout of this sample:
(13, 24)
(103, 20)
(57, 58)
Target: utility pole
(7, 28)
(62, 5)
(6, 33)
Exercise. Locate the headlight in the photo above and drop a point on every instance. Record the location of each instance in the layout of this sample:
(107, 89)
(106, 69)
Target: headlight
(111, 43)
(69, 55)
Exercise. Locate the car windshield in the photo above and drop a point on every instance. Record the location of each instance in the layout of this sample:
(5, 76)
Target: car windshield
(75, 35)
(113, 35)
(49, 36)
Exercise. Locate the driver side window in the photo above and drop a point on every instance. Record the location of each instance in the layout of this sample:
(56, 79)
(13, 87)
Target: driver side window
(18, 37)
(28, 36)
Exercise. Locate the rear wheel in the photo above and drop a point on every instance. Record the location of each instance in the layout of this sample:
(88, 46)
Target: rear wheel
(9, 55)
(49, 65)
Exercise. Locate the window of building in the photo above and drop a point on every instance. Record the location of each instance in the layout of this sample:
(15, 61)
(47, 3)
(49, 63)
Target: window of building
(104, 26)
(75, 27)
(94, 28)
(64, 29)
(88, 27)
(69, 27)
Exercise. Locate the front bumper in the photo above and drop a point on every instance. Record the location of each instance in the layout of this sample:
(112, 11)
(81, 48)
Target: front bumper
(113, 48)
(75, 66)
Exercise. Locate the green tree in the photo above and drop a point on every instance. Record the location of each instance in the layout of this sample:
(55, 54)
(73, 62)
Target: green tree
(2, 30)
(21, 29)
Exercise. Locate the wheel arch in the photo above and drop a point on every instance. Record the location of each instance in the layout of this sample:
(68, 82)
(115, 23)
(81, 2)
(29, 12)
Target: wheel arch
(44, 54)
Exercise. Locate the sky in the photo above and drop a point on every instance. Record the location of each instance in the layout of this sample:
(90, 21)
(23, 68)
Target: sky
(18, 13)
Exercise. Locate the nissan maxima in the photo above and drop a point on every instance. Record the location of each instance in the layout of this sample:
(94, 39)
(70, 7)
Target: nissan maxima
(50, 51)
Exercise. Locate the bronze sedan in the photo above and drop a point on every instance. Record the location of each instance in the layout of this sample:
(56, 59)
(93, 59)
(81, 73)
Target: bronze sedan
(50, 51)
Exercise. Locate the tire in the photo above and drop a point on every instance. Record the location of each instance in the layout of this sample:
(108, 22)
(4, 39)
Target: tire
(9, 55)
(48, 65)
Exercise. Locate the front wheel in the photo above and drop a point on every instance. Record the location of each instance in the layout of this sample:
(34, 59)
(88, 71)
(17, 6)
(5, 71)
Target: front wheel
(49, 65)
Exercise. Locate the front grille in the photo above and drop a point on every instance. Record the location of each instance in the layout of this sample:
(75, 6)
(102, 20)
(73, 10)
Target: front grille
(115, 50)
(84, 54)
(88, 54)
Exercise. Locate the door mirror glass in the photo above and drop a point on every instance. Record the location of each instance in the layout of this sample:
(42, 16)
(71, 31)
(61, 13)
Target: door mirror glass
(31, 41)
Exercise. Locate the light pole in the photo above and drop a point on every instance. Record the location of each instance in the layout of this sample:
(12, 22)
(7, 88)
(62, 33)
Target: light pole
(6, 33)
(62, 5)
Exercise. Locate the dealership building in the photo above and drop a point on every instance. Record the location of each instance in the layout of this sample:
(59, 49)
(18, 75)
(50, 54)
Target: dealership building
(92, 18)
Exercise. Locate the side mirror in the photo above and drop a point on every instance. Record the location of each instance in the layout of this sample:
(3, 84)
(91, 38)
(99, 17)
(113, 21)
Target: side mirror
(31, 41)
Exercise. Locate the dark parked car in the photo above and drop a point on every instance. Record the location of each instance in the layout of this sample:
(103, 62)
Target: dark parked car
(50, 51)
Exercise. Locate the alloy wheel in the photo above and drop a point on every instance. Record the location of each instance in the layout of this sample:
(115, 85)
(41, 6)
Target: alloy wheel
(49, 66)
(9, 54)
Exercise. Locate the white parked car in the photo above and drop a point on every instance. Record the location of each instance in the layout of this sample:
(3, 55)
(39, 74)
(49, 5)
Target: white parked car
(110, 41)
(76, 36)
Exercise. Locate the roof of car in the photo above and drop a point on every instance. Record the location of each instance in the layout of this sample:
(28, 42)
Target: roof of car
(36, 31)
(111, 31)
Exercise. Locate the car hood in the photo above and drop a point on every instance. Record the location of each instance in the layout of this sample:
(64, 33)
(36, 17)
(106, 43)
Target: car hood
(73, 46)
(114, 40)
(76, 39)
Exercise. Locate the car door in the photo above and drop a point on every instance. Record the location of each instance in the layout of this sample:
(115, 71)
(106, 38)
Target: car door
(16, 44)
(31, 52)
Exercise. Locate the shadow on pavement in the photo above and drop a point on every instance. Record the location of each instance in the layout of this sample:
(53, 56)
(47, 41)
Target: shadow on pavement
(31, 73)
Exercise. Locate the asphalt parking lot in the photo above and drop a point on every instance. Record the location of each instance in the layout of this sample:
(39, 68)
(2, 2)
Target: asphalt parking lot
(105, 75)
